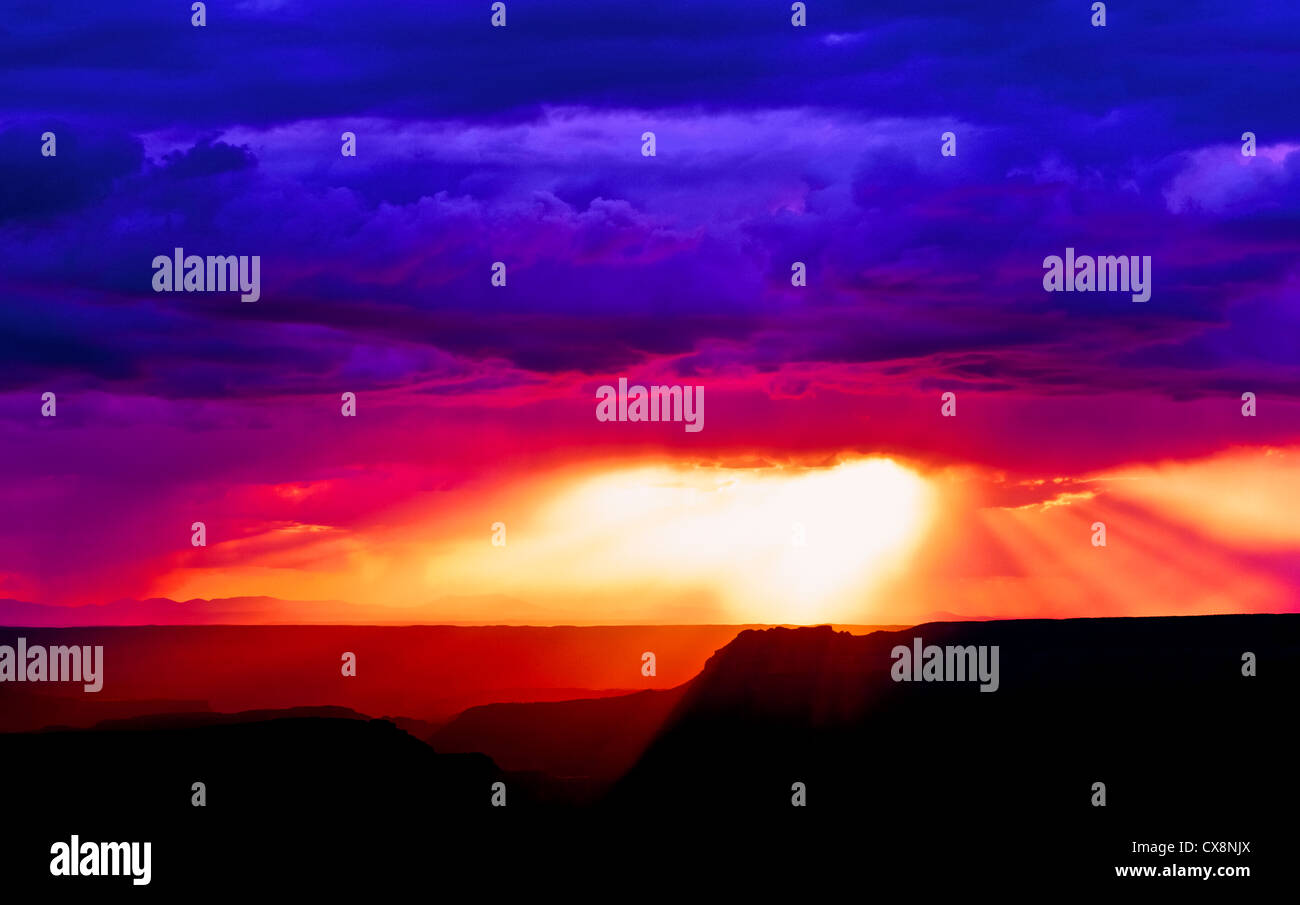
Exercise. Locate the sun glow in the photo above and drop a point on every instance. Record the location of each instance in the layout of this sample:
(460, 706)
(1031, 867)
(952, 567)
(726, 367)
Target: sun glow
(769, 544)
(661, 543)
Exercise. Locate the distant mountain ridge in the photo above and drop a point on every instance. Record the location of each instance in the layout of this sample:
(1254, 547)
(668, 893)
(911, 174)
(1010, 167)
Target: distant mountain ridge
(426, 673)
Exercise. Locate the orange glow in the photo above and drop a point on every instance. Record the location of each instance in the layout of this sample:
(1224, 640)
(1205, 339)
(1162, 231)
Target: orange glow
(882, 542)
(769, 544)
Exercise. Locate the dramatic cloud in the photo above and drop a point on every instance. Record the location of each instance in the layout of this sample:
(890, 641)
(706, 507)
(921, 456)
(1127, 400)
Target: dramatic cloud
(522, 145)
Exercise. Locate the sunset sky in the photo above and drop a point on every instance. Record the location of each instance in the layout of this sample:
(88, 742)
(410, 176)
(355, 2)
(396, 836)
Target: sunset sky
(476, 404)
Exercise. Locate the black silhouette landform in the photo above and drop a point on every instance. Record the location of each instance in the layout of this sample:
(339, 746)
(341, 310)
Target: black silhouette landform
(900, 778)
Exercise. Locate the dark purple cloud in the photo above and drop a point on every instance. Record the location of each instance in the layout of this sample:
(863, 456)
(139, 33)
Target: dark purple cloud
(521, 145)
(87, 163)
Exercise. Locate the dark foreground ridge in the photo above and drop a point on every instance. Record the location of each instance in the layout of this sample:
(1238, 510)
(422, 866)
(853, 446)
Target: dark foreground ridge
(1156, 709)
(902, 779)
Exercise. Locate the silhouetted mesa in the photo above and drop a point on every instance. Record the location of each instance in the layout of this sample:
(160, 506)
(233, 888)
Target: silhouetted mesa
(1156, 708)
